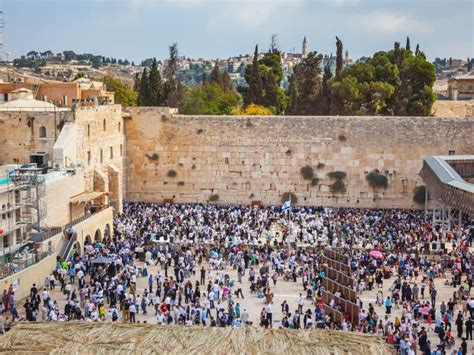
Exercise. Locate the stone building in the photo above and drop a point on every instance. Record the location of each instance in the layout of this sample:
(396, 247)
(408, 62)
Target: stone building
(461, 87)
(80, 92)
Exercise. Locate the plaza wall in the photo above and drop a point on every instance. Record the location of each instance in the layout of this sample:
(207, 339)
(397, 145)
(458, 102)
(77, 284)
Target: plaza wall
(93, 226)
(245, 159)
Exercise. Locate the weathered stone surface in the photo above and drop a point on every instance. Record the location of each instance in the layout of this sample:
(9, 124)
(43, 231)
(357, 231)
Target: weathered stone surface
(234, 159)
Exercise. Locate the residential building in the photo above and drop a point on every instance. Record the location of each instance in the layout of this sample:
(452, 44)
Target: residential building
(461, 87)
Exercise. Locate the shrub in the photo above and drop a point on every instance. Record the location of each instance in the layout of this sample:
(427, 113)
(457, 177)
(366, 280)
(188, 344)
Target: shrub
(307, 172)
(419, 194)
(154, 156)
(252, 195)
(165, 182)
(249, 123)
(320, 165)
(193, 167)
(288, 195)
(377, 180)
(180, 183)
(171, 173)
(338, 186)
(315, 181)
(337, 175)
(288, 152)
(342, 138)
(164, 118)
(214, 198)
(199, 131)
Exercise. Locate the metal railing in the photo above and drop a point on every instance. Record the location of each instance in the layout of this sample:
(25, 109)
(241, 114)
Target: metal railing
(83, 218)
(16, 265)
(66, 248)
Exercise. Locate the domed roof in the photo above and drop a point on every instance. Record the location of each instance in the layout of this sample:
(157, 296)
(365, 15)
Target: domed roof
(22, 99)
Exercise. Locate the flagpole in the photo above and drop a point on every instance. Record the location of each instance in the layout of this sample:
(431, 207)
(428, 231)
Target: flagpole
(289, 230)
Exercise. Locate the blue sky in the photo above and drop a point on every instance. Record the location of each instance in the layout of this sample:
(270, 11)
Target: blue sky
(138, 29)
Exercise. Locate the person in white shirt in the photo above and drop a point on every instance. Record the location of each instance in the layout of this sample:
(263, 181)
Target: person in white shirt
(133, 311)
(269, 312)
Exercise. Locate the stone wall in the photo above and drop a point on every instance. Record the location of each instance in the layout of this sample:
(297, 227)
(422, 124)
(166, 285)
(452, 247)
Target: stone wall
(450, 108)
(20, 134)
(245, 159)
(100, 149)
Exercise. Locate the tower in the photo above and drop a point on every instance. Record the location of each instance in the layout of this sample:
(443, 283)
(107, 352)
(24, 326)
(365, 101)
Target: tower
(305, 48)
(347, 59)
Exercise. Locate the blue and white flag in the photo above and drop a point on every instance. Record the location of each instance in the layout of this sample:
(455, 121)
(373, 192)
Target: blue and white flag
(286, 206)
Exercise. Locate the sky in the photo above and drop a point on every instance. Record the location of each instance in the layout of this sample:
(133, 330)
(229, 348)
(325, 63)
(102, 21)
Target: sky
(139, 29)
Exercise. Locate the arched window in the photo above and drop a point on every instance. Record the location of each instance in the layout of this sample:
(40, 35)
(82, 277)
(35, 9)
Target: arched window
(88, 130)
(119, 126)
(105, 126)
(42, 132)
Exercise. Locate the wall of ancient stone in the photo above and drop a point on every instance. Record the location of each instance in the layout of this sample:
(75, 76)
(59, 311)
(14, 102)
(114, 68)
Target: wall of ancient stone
(20, 134)
(245, 159)
(100, 149)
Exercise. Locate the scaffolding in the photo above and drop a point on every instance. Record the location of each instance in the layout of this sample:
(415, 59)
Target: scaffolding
(25, 188)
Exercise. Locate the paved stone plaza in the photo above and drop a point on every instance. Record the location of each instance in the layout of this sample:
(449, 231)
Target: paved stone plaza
(290, 291)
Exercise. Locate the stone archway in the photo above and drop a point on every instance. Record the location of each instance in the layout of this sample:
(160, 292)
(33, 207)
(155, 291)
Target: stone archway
(98, 235)
(88, 240)
(107, 231)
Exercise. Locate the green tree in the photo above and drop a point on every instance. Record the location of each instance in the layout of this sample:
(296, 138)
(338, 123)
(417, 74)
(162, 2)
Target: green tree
(339, 61)
(390, 83)
(254, 80)
(326, 91)
(305, 86)
(143, 93)
(407, 45)
(173, 90)
(209, 99)
(155, 86)
(124, 94)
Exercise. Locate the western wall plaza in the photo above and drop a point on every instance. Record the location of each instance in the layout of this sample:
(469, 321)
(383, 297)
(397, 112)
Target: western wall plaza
(268, 177)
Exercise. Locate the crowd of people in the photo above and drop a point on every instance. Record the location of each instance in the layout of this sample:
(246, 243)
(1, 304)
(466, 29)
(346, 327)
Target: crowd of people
(195, 260)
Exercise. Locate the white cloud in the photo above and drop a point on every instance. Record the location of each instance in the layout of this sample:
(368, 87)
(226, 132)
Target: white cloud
(248, 14)
(389, 23)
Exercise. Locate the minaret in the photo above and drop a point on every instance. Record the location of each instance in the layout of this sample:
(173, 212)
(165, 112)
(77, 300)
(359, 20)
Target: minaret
(305, 48)
(347, 57)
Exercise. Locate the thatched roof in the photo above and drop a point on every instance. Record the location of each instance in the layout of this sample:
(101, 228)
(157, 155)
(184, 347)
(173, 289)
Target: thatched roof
(100, 338)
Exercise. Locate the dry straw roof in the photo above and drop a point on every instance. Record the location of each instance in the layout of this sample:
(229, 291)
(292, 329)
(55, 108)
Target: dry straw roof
(119, 338)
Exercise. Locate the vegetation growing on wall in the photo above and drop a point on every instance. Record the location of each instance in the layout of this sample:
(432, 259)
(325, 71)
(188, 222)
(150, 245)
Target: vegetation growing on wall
(315, 181)
(307, 172)
(171, 173)
(376, 179)
(214, 198)
(419, 194)
(337, 175)
(154, 156)
(338, 185)
(320, 165)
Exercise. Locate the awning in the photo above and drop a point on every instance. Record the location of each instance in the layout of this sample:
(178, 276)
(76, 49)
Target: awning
(87, 196)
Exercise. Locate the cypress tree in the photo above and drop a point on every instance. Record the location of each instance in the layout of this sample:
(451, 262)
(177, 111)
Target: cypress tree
(143, 97)
(325, 90)
(339, 60)
(255, 90)
(154, 85)
(407, 45)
